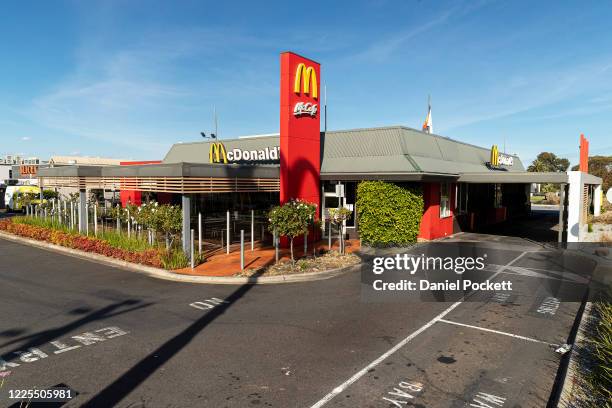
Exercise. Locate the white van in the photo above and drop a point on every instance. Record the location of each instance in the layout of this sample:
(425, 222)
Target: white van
(12, 194)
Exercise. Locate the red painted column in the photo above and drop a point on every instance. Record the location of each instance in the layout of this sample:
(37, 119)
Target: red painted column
(300, 129)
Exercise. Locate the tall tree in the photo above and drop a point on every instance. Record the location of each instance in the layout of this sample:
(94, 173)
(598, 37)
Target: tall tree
(548, 162)
(600, 166)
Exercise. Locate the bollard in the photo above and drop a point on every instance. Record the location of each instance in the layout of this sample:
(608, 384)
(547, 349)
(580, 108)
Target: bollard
(192, 250)
(227, 241)
(252, 230)
(200, 233)
(275, 239)
(242, 250)
(340, 237)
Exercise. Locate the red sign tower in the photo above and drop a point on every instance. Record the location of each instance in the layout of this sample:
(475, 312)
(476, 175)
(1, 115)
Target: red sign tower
(300, 129)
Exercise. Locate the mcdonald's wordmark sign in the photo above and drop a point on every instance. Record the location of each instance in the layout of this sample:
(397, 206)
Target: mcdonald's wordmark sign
(217, 153)
(499, 159)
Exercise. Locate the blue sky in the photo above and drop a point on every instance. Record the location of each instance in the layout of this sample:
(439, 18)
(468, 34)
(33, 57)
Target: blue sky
(128, 79)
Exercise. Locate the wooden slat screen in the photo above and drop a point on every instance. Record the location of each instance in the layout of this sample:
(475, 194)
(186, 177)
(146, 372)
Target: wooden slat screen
(167, 184)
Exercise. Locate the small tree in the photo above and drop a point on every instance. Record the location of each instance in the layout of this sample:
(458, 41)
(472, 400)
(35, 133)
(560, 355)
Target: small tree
(292, 219)
(50, 194)
(338, 216)
(169, 220)
(25, 199)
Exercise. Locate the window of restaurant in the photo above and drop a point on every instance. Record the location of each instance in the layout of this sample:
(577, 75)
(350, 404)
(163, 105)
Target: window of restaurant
(445, 209)
(461, 200)
(497, 195)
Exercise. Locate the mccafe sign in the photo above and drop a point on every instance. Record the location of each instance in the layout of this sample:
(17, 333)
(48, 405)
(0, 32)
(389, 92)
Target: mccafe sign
(305, 82)
(219, 154)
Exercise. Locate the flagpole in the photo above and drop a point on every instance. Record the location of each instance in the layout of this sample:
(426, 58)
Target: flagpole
(325, 106)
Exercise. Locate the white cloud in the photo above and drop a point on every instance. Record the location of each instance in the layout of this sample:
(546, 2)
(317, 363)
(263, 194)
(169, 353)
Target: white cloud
(26, 138)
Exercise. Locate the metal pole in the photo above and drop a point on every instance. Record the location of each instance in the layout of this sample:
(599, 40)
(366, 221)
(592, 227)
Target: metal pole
(561, 212)
(305, 244)
(83, 212)
(228, 232)
(242, 250)
(275, 239)
(252, 230)
(86, 219)
(200, 233)
(95, 220)
(192, 250)
(129, 232)
(329, 234)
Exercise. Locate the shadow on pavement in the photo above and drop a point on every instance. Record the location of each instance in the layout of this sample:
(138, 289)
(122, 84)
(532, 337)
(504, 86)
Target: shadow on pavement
(37, 339)
(126, 383)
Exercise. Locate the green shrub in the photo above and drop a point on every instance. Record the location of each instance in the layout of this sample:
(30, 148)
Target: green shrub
(177, 259)
(389, 214)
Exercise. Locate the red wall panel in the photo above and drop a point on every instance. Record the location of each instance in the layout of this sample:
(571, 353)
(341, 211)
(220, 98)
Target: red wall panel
(432, 226)
(131, 196)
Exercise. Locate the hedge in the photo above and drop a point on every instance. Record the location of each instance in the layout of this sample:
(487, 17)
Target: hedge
(389, 214)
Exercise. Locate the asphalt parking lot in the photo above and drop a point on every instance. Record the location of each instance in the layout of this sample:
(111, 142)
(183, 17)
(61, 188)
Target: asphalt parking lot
(116, 338)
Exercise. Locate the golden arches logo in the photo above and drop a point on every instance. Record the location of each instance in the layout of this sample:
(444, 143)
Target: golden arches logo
(494, 156)
(310, 80)
(217, 153)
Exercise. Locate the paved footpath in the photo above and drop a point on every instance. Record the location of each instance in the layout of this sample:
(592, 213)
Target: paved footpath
(116, 338)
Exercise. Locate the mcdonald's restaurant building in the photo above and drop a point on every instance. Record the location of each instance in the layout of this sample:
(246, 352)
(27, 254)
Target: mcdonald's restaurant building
(464, 186)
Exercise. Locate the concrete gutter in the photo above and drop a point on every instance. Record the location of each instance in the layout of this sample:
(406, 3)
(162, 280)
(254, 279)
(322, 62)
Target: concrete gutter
(571, 389)
(171, 276)
(572, 392)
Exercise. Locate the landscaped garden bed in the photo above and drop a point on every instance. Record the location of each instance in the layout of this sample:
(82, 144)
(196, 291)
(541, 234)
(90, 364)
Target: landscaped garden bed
(328, 261)
(108, 243)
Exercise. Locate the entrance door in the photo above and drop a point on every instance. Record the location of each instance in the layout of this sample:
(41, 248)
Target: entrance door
(330, 200)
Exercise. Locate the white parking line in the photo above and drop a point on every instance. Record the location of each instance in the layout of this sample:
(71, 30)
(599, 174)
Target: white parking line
(399, 345)
(497, 332)
(374, 363)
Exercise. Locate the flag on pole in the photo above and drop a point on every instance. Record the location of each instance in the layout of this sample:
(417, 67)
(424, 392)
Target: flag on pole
(428, 124)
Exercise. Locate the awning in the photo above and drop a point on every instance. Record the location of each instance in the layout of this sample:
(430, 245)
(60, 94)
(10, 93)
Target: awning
(392, 176)
(495, 176)
(166, 178)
